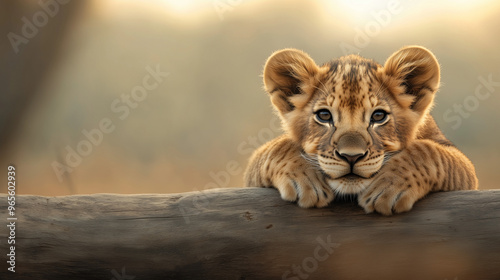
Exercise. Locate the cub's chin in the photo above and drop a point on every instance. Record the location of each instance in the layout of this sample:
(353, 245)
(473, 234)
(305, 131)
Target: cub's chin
(349, 184)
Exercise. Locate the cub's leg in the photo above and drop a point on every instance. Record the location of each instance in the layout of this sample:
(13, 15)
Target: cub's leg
(422, 167)
(281, 164)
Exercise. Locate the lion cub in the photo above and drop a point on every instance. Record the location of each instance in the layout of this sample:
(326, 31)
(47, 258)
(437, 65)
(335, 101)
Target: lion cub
(353, 126)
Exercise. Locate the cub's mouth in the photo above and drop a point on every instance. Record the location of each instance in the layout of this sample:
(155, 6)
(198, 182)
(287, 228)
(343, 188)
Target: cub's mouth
(348, 177)
(351, 177)
(350, 183)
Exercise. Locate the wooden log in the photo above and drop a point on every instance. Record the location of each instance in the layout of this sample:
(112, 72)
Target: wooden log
(251, 234)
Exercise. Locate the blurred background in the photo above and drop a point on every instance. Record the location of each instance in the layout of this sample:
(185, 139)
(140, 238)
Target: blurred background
(163, 96)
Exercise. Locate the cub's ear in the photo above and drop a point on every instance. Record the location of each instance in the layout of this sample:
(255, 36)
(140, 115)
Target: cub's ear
(290, 79)
(414, 75)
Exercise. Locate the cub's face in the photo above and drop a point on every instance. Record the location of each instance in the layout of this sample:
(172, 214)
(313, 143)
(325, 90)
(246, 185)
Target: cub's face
(351, 114)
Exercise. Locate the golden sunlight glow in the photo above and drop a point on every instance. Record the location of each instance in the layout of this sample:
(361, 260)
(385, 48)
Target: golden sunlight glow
(359, 8)
(351, 13)
(182, 6)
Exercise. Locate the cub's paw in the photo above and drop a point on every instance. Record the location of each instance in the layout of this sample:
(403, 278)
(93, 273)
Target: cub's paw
(390, 193)
(307, 187)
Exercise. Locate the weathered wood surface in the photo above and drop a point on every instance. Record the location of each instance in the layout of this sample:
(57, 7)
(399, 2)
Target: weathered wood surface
(251, 234)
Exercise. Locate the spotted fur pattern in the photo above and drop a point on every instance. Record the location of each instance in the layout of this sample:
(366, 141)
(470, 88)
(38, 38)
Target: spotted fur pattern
(353, 126)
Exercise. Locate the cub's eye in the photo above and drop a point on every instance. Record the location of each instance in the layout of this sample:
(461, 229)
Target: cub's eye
(324, 115)
(379, 116)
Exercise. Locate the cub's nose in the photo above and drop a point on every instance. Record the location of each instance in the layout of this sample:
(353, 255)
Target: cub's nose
(351, 147)
(351, 158)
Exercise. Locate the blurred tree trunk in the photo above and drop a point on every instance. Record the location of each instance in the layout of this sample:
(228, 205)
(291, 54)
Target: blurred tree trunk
(33, 34)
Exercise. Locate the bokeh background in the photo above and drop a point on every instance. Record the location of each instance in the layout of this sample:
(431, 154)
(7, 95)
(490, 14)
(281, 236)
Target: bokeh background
(69, 70)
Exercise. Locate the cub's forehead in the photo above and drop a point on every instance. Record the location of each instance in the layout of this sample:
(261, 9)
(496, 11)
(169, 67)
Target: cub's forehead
(352, 67)
(350, 81)
(352, 74)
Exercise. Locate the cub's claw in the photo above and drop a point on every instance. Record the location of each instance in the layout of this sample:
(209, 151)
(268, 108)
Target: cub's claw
(307, 188)
(388, 194)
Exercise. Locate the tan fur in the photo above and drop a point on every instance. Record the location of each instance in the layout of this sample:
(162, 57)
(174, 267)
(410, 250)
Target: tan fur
(388, 163)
